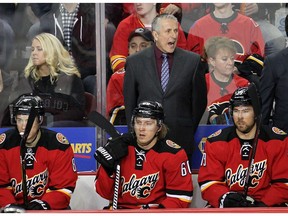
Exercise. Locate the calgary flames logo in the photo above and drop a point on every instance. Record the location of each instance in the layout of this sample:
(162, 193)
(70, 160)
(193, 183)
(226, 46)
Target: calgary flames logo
(142, 187)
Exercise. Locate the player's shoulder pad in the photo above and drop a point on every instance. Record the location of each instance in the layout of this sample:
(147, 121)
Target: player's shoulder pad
(62, 139)
(9, 139)
(53, 140)
(172, 144)
(267, 133)
(225, 134)
(167, 145)
(2, 139)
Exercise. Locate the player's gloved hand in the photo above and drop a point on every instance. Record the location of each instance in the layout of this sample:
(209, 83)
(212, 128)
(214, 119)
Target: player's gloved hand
(112, 152)
(13, 208)
(254, 203)
(234, 199)
(38, 205)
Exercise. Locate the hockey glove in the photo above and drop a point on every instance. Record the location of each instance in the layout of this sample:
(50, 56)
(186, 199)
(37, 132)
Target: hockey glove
(38, 205)
(254, 203)
(234, 199)
(112, 152)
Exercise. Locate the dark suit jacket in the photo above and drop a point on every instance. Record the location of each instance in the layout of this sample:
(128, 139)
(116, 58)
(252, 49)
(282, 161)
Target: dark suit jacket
(274, 85)
(185, 99)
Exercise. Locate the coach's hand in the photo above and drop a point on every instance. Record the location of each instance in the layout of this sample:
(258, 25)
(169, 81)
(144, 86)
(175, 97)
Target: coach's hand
(112, 152)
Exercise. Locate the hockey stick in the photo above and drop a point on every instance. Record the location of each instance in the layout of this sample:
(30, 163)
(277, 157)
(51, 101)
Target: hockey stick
(24, 137)
(103, 123)
(252, 92)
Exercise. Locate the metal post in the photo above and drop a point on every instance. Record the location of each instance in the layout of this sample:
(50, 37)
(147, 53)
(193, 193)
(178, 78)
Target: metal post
(100, 67)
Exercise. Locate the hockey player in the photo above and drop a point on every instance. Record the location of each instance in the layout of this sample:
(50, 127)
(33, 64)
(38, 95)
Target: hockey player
(155, 172)
(223, 170)
(50, 168)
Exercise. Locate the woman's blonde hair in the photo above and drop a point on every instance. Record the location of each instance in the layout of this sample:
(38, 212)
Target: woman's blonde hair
(213, 44)
(57, 59)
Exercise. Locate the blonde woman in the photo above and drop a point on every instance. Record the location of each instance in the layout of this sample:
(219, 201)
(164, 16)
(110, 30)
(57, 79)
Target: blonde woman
(221, 81)
(53, 76)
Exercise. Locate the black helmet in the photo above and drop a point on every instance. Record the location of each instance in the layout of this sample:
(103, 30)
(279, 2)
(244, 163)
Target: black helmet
(149, 109)
(23, 106)
(246, 96)
(240, 97)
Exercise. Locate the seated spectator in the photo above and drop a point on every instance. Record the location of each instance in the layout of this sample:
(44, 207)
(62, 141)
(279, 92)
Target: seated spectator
(7, 48)
(221, 81)
(53, 76)
(138, 40)
(142, 18)
(6, 52)
(264, 15)
(226, 22)
(5, 91)
(74, 25)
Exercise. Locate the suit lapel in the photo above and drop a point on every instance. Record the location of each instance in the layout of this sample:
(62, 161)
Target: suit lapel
(176, 70)
(151, 69)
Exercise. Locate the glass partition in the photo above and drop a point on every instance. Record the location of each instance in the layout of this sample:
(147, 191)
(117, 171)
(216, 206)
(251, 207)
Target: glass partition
(66, 53)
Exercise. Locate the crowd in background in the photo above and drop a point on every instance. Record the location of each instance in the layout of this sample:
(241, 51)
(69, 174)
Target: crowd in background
(257, 30)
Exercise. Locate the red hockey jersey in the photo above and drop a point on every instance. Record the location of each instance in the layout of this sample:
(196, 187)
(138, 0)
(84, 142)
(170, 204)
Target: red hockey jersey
(119, 50)
(51, 171)
(114, 92)
(160, 175)
(223, 168)
(243, 30)
(215, 91)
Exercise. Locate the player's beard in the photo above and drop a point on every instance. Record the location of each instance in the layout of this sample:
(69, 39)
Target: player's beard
(244, 127)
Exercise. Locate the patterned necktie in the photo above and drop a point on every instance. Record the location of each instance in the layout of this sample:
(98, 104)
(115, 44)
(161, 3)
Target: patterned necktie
(164, 72)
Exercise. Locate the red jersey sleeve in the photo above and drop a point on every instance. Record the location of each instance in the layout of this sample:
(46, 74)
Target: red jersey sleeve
(277, 153)
(104, 184)
(114, 94)
(179, 186)
(62, 180)
(211, 176)
(6, 193)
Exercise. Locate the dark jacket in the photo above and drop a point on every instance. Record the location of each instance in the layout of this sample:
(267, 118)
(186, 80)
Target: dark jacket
(64, 100)
(273, 86)
(184, 100)
(83, 35)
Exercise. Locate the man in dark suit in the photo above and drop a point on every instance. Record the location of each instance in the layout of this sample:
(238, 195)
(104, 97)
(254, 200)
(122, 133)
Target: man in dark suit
(184, 99)
(273, 89)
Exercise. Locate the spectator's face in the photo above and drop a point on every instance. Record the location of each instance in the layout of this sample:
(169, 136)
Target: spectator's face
(222, 64)
(21, 122)
(244, 118)
(166, 38)
(144, 8)
(37, 53)
(137, 44)
(145, 130)
(221, 5)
